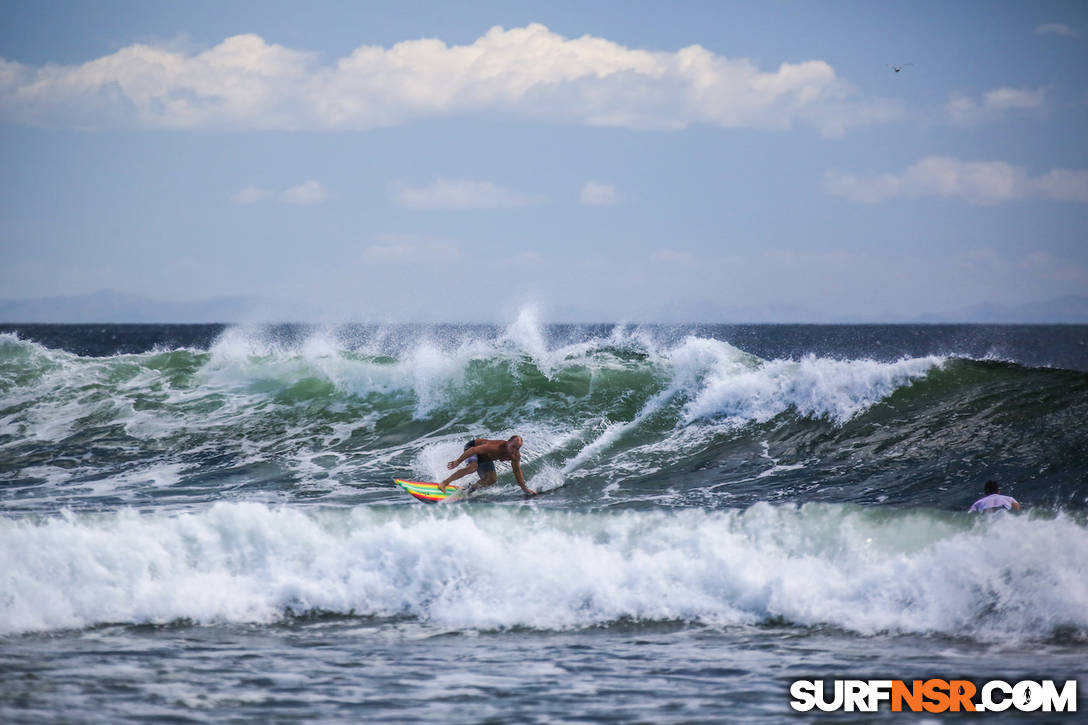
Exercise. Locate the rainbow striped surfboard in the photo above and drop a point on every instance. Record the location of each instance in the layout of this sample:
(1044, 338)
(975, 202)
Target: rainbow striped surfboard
(426, 492)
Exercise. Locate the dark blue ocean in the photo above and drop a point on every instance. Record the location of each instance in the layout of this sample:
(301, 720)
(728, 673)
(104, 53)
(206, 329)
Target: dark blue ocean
(198, 522)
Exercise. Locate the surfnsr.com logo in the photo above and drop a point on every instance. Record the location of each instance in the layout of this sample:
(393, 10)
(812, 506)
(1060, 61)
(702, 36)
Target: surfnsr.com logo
(934, 695)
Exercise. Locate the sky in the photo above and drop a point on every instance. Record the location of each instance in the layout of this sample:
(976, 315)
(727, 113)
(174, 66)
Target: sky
(597, 161)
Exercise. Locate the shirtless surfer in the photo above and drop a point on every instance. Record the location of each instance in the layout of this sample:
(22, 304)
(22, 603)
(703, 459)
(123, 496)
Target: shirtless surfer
(481, 455)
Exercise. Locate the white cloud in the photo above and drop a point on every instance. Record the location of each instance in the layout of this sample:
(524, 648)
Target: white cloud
(463, 194)
(308, 192)
(965, 109)
(1056, 29)
(597, 194)
(1005, 97)
(978, 182)
(245, 82)
(398, 250)
(1062, 185)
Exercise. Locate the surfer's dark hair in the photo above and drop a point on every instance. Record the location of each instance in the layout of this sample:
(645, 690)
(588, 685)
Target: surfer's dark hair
(991, 486)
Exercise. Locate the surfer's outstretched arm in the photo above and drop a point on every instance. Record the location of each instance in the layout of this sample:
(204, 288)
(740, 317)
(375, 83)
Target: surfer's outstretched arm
(515, 464)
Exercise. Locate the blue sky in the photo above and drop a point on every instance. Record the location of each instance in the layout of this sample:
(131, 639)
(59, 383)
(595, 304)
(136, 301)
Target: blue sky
(598, 161)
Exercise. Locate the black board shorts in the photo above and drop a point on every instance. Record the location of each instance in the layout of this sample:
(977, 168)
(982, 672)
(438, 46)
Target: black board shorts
(483, 463)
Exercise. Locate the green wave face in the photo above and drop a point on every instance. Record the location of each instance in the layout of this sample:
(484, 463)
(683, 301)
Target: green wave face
(616, 418)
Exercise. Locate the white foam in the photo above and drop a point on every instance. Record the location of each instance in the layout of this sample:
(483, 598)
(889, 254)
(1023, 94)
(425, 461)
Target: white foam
(864, 570)
(242, 358)
(775, 466)
(58, 397)
(527, 334)
(814, 387)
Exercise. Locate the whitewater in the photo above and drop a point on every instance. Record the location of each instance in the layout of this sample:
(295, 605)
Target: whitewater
(722, 508)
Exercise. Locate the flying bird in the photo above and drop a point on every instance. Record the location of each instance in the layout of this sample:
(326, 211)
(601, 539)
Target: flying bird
(898, 67)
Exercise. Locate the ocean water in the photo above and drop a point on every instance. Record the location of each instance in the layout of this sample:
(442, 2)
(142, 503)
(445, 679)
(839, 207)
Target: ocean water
(199, 524)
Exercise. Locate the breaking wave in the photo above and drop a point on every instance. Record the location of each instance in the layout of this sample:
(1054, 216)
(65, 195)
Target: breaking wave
(864, 570)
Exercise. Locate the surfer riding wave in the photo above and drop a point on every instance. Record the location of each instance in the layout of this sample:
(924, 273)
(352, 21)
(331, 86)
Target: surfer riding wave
(481, 454)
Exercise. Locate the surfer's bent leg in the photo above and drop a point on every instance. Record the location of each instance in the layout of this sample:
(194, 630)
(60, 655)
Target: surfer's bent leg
(461, 473)
(473, 464)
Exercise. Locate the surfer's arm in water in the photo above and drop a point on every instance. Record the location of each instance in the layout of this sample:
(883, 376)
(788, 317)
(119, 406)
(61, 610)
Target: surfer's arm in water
(515, 464)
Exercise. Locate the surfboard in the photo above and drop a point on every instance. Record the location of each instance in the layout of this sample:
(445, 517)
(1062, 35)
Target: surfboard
(426, 492)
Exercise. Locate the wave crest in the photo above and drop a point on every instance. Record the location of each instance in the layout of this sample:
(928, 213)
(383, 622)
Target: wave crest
(861, 570)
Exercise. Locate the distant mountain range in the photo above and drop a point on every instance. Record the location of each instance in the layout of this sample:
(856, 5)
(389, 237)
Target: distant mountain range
(117, 307)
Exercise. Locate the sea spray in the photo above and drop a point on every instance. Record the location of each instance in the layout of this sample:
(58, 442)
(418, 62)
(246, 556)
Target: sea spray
(863, 570)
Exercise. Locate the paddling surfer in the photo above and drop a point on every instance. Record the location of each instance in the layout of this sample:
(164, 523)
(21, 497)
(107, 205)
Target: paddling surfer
(481, 454)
